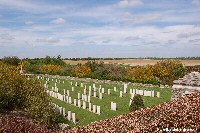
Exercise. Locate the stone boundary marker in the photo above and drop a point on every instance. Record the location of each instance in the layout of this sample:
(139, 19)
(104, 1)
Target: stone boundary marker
(190, 83)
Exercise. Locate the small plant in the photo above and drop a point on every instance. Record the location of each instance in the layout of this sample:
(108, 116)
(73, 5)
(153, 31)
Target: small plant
(137, 103)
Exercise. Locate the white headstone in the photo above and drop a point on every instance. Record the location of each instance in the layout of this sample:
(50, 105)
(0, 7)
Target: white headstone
(94, 86)
(94, 108)
(115, 88)
(81, 84)
(74, 117)
(71, 83)
(113, 106)
(158, 94)
(90, 91)
(68, 92)
(147, 93)
(88, 98)
(90, 106)
(79, 103)
(67, 99)
(108, 91)
(64, 92)
(79, 95)
(120, 95)
(95, 93)
(70, 100)
(85, 98)
(99, 86)
(76, 84)
(125, 87)
(69, 115)
(74, 102)
(98, 110)
(90, 87)
(85, 91)
(152, 93)
(100, 96)
(82, 97)
(72, 88)
(63, 112)
(84, 105)
(103, 90)
(131, 91)
(60, 110)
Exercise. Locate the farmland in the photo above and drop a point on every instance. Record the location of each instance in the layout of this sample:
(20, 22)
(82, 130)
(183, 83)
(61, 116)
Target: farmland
(133, 62)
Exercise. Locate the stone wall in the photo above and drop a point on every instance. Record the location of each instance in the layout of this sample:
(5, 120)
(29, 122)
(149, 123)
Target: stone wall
(190, 83)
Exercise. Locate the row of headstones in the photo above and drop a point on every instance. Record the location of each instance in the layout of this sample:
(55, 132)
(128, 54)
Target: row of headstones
(144, 93)
(95, 109)
(70, 116)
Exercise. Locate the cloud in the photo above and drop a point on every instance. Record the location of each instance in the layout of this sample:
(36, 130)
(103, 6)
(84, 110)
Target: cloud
(31, 6)
(6, 37)
(141, 18)
(187, 35)
(196, 2)
(130, 3)
(58, 21)
(29, 22)
(48, 40)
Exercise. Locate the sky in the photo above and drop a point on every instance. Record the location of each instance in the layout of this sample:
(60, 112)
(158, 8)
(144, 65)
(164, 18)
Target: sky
(99, 28)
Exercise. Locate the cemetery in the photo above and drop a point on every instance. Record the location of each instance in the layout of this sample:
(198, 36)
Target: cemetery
(93, 101)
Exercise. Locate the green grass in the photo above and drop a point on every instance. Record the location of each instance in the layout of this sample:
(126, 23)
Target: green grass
(85, 117)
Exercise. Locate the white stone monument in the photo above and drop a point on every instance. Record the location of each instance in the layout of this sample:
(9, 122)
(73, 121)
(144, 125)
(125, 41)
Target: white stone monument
(113, 106)
(90, 106)
(125, 87)
(108, 91)
(69, 115)
(84, 105)
(74, 102)
(158, 94)
(100, 96)
(74, 117)
(120, 95)
(79, 103)
(94, 108)
(98, 110)
(95, 93)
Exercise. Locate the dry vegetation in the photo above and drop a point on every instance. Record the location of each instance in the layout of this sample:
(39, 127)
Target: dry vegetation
(134, 62)
(177, 114)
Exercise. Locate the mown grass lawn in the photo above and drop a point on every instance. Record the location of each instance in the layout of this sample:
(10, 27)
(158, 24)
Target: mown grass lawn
(85, 117)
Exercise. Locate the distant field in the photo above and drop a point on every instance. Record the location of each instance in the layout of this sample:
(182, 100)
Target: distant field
(135, 62)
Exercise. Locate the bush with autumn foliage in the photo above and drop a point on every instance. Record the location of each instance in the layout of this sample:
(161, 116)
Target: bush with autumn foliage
(163, 72)
(166, 71)
(19, 93)
(82, 71)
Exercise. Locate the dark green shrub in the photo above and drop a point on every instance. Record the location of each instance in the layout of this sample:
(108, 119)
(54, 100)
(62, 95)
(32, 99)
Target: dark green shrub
(12, 60)
(137, 103)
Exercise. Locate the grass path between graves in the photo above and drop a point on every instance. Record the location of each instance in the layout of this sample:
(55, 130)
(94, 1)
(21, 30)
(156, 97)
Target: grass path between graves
(85, 117)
